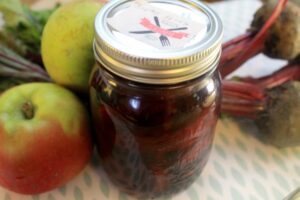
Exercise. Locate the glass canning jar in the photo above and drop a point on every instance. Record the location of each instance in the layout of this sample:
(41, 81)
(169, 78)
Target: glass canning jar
(155, 92)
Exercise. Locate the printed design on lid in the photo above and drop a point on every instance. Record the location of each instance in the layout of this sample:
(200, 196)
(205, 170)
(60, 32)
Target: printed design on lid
(158, 27)
(164, 33)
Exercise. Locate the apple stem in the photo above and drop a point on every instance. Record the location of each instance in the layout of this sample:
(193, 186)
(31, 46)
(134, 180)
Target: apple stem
(28, 110)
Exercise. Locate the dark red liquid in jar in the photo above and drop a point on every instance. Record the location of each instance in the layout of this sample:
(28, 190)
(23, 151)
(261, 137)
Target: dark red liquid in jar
(154, 140)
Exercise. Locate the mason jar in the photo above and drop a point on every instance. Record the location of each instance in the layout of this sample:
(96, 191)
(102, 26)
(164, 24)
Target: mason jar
(155, 92)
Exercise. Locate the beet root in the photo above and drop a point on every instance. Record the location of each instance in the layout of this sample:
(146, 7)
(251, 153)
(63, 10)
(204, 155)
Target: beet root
(283, 39)
(280, 121)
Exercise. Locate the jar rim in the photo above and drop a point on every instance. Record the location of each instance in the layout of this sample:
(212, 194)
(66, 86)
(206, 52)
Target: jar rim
(148, 65)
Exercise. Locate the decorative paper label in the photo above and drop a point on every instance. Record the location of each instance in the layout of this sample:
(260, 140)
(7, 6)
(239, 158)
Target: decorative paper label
(155, 26)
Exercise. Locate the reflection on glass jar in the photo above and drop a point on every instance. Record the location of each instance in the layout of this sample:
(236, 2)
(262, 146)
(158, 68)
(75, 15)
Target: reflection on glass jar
(154, 140)
(155, 100)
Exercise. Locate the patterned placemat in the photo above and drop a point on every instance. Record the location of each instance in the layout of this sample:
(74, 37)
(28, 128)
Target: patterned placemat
(240, 166)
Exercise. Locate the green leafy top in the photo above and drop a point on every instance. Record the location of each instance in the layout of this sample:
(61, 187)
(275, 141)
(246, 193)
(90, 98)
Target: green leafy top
(23, 27)
(20, 41)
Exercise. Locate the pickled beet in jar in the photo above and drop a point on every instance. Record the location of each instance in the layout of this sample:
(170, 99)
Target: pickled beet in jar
(155, 92)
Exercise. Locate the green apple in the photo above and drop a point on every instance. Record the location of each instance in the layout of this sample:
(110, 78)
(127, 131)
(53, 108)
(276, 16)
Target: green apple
(44, 137)
(67, 44)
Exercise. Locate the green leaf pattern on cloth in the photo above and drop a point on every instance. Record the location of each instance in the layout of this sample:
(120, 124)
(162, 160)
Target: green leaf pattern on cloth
(78, 194)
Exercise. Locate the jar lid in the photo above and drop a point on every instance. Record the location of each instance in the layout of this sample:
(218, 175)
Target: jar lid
(158, 41)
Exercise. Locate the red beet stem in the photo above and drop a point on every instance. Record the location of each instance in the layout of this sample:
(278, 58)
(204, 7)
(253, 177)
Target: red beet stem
(232, 51)
(249, 96)
(35, 58)
(237, 40)
(286, 74)
(251, 90)
(256, 45)
(28, 75)
(34, 68)
(240, 108)
(242, 99)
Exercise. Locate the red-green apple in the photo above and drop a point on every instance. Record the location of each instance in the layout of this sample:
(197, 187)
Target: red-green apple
(44, 137)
